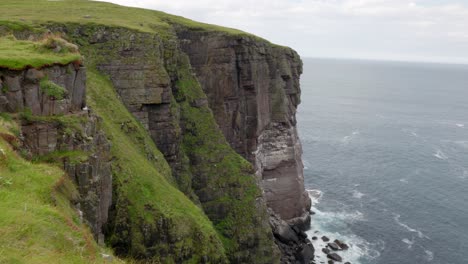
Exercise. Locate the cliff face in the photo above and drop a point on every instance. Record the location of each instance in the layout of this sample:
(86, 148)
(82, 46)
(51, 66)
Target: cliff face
(253, 89)
(56, 129)
(190, 152)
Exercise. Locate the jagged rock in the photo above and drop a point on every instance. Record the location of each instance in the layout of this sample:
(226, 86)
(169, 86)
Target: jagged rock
(22, 90)
(306, 254)
(314, 238)
(284, 232)
(325, 239)
(326, 250)
(342, 245)
(333, 246)
(93, 176)
(334, 257)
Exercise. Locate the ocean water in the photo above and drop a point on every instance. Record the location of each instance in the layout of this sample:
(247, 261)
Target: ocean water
(386, 158)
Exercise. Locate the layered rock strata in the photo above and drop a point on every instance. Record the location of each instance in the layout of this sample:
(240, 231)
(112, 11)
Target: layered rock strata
(253, 89)
(56, 128)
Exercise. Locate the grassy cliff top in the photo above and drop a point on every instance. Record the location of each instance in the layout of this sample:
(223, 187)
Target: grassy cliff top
(19, 54)
(32, 12)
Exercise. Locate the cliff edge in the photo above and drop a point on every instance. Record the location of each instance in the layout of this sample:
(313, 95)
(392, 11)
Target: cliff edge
(188, 129)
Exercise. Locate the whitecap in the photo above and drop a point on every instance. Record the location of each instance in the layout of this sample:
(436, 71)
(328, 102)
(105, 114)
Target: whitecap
(315, 194)
(440, 155)
(357, 194)
(420, 234)
(460, 125)
(403, 180)
(408, 242)
(429, 255)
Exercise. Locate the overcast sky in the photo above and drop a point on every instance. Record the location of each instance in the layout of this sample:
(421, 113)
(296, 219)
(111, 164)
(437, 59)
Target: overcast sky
(419, 30)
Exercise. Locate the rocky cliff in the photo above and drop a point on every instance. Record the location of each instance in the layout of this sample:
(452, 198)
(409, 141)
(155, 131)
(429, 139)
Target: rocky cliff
(55, 127)
(190, 152)
(253, 89)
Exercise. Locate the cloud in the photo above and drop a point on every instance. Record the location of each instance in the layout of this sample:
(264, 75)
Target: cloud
(429, 30)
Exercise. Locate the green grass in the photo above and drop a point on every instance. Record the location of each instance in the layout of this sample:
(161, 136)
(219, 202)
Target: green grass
(225, 177)
(37, 223)
(146, 191)
(51, 89)
(29, 12)
(20, 54)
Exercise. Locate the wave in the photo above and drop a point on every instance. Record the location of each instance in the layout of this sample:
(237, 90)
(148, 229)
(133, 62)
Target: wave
(335, 225)
(403, 180)
(357, 194)
(397, 220)
(348, 138)
(440, 155)
(460, 125)
(315, 195)
(408, 242)
(429, 255)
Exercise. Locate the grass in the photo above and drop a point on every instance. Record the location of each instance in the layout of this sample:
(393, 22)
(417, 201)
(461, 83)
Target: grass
(19, 54)
(37, 223)
(146, 191)
(26, 13)
(51, 89)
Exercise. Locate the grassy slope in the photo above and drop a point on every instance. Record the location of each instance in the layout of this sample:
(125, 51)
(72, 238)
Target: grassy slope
(19, 54)
(33, 11)
(146, 182)
(131, 150)
(37, 223)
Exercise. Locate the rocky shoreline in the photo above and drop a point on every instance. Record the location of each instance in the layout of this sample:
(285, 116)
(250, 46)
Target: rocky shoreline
(330, 249)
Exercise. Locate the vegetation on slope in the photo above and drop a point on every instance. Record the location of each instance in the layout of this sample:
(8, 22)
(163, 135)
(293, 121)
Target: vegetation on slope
(148, 204)
(28, 13)
(37, 222)
(222, 179)
(20, 54)
(150, 217)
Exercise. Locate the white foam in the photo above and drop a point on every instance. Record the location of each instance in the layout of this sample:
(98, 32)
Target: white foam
(404, 180)
(420, 234)
(460, 125)
(429, 255)
(315, 195)
(408, 242)
(440, 155)
(335, 225)
(357, 194)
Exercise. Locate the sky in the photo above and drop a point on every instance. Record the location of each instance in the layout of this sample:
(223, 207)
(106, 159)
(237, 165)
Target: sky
(418, 30)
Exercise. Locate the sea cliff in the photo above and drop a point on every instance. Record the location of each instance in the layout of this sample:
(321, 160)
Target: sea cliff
(179, 137)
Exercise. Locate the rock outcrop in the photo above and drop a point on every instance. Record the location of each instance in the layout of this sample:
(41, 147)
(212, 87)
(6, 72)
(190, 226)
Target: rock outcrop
(253, 90)
(55, 128)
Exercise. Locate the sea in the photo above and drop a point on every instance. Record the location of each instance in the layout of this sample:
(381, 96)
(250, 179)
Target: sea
(385, 150)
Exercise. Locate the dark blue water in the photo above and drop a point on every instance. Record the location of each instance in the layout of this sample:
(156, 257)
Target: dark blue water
(386, 153)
